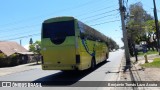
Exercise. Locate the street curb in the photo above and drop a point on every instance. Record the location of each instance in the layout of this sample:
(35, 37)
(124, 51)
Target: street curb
(135, 76)
(120, 69)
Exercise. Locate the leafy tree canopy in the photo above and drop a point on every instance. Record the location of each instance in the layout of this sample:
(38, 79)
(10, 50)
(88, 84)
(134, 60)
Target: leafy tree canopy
(35, 47)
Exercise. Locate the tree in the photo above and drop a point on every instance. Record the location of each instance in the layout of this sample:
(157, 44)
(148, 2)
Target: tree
(35, 47)
(136, 29)
(30, 41)
(136, 24)
(112, 44)
(151, 34)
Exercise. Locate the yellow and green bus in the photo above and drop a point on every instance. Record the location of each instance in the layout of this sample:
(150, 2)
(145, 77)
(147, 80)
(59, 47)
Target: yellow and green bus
(68, 44)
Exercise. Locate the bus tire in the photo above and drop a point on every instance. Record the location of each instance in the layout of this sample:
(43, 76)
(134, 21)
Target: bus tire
(107, 56)
(93, 63)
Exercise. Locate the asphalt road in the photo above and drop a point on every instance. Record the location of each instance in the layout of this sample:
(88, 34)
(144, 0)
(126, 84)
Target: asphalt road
(104, 72)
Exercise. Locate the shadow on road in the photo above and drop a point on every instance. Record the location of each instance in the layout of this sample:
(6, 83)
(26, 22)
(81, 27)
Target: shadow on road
(65, 78)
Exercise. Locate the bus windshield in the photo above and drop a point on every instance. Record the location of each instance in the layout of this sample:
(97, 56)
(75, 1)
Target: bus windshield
(58, 29)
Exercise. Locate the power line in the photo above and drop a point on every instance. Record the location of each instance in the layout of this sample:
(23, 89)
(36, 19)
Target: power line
(86, 4)
(36, 25)
(26, 36)
(111, 15)
(99, 14)
(39, 24)
(89, 12)
(104, 22)
(148, 6)
(15, 34)
(79, 15)
(58, 11)
(30, 26)
(63, 10)
(19, 28)
(30, 31)
(22, 37)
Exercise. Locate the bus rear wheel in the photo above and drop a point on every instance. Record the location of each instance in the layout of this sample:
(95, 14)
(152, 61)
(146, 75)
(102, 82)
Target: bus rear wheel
(107, 55)
(93, 63)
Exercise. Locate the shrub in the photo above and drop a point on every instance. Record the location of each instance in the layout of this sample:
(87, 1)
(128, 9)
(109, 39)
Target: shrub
(14, 60)
(2, 55)
(3, 61)
(8, 61)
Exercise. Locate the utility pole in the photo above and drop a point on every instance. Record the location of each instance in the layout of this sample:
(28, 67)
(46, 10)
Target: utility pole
(20, 42)
(125, 39)
(157, 26)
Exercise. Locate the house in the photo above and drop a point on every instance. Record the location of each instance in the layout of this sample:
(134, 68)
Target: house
(9, 48)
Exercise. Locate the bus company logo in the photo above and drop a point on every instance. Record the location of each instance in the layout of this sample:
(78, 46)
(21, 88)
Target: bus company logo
(6, 84)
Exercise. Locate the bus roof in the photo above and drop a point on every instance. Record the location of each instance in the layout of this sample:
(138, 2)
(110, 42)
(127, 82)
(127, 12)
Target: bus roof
(57, 19)
(90, 30)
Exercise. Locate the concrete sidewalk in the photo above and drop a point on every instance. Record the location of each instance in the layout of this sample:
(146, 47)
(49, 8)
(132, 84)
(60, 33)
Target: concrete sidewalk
(19, 68)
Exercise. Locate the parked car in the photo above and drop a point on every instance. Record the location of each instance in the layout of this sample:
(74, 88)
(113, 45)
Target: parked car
(139, 48)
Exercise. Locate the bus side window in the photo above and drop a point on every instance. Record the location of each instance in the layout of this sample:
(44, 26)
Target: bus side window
(84, 35)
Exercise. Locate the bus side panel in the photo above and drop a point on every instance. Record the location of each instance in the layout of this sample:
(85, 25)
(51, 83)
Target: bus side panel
(85, 57)
(100, 53)
(104, 52)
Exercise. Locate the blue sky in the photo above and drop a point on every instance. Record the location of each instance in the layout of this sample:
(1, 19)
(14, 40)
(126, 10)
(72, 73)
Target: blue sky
(22, 18)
